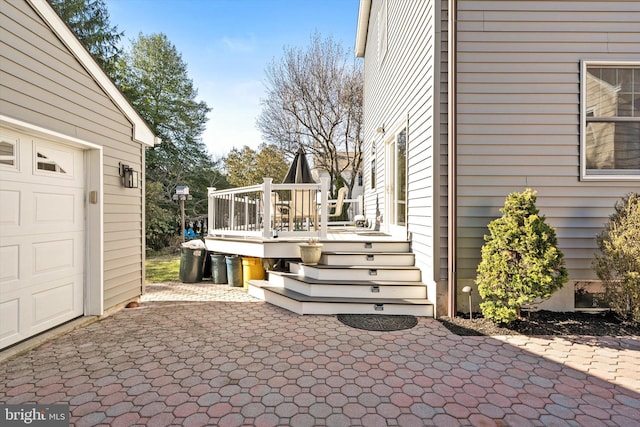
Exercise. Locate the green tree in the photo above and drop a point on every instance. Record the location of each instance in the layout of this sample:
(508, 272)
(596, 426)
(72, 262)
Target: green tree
(618, 264)
(246, 166)
(89, 20)
(160, 218)
(154, 77)
(521, 262)
(314, 99)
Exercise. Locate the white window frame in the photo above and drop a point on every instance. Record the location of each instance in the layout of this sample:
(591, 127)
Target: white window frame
(602, 175)
(15, 166)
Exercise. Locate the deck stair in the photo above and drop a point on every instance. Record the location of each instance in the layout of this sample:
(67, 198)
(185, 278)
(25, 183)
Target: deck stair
(351, 278)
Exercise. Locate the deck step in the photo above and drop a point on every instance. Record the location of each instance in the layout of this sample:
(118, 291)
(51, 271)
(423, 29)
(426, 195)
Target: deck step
(351, 289)
(357, 272)
(377, 258)
(382, 246)
(305, 304)
(256, 246)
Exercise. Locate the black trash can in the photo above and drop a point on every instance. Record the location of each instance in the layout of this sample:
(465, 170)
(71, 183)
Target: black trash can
(234, 271)
(206, 269)
(191, 264)
(218, 269)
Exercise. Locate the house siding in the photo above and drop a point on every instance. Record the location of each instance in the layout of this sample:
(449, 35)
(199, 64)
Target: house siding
(401, 91)
(518, 121)
(43, 84)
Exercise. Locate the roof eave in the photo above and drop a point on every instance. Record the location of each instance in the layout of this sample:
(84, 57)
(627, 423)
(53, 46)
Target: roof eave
(141, 131)
(363, 26)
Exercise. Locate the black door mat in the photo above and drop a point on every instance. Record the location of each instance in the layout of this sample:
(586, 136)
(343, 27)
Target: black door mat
(378, 322)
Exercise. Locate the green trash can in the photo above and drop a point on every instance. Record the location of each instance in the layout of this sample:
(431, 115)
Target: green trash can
(218, 268)
(234, 271)
(191, 264)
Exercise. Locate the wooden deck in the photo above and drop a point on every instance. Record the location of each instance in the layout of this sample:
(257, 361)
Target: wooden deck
(361, 271)
(338, 239)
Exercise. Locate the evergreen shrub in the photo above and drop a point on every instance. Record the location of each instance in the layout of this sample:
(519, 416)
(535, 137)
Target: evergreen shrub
(618, 264)
(521, 263)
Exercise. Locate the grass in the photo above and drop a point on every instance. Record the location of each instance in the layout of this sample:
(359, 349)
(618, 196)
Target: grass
(162, 268)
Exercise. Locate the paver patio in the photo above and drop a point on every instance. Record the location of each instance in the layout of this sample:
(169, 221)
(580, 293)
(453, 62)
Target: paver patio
(206, 354)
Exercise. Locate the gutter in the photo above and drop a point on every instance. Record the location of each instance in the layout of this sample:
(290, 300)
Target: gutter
(362, 28)
(452, 170)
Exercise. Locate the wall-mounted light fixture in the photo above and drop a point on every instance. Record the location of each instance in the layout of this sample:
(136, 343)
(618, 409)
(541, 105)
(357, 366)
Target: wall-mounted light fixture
(129, 176)
(380, 129)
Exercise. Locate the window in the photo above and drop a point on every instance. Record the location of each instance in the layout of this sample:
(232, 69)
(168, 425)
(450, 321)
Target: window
(611, 121)
(401, 178)
(8, 152)
(53, 160)
(373, 167)
(373, 174)
(46, 164)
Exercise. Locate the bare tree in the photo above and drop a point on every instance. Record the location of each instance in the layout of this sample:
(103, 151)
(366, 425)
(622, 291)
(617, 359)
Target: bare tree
(314, 100)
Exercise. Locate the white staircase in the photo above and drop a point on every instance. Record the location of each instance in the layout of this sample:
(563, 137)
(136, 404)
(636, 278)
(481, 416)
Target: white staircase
(353, 278)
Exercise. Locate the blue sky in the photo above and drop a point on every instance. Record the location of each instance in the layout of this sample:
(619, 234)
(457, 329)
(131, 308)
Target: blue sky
(227, 45)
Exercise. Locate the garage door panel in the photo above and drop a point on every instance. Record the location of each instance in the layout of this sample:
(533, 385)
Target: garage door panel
(62, 211)
(9, 264)
(10, 325)
(55, 208)
(53, 303)
(55, 255)
(10, 211)
(38, 212)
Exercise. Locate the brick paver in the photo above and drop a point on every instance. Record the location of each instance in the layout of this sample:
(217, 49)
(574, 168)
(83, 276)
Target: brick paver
(205, 354)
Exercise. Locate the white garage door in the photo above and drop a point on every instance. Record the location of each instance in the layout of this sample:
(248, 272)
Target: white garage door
(42, 239)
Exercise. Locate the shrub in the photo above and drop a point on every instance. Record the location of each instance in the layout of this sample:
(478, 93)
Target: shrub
(520, 263)
(618, 264)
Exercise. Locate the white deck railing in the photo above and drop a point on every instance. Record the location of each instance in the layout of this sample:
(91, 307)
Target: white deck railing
(271, 210)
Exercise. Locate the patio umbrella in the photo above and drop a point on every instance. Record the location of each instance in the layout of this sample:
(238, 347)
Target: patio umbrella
(299, 172)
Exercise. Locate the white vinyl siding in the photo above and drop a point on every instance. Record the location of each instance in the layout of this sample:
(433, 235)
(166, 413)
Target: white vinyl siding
(519, 116)
(399, 92)
(43, 84)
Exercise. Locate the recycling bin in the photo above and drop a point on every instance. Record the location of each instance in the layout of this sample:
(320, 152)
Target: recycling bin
(218, 268)
(234, 271)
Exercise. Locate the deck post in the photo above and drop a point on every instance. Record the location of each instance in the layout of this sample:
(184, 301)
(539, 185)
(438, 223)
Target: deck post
(324, 202)
(266, 203)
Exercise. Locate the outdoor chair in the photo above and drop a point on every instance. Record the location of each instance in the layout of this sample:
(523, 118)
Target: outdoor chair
(337, 204)
(334, 207)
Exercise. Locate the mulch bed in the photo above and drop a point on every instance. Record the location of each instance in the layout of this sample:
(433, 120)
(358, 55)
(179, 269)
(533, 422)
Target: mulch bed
(543, 323)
